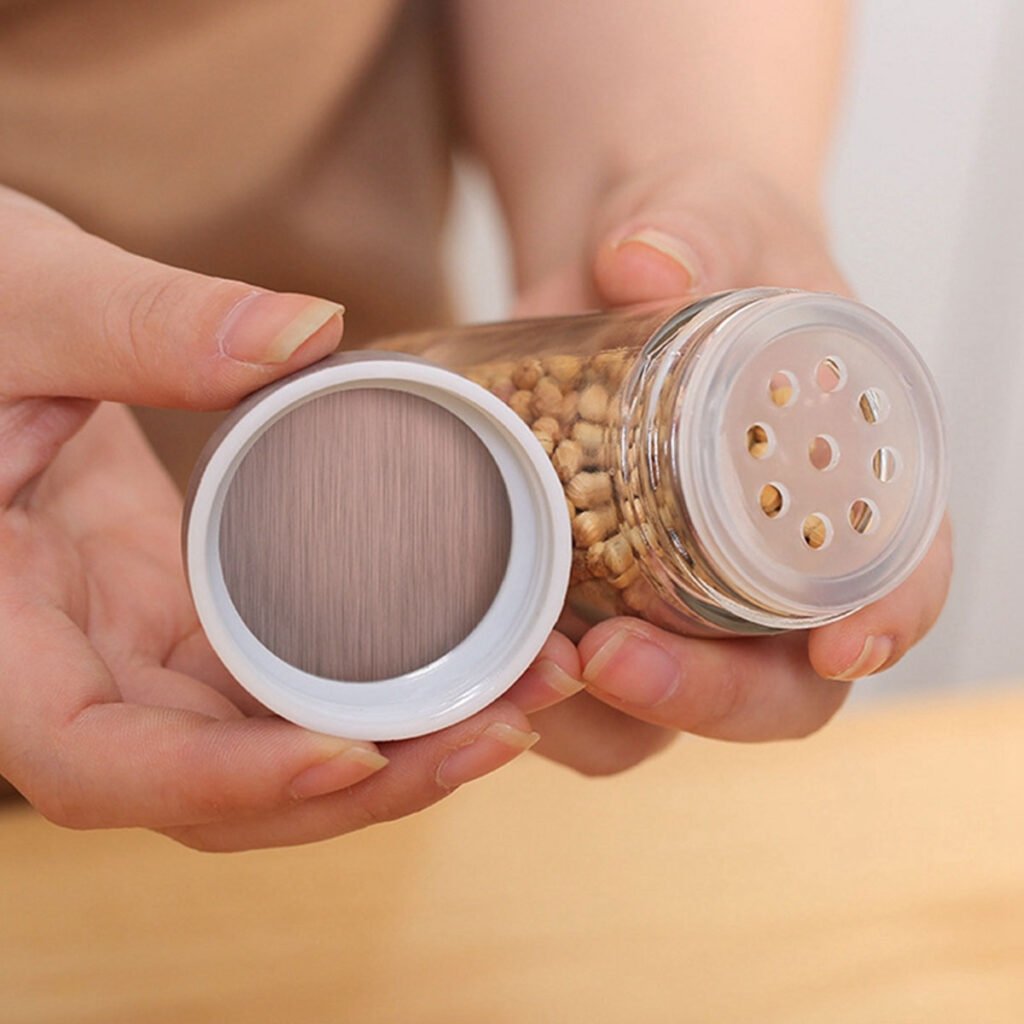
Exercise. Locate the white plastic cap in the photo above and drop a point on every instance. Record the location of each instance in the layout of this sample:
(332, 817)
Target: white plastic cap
(481, 667)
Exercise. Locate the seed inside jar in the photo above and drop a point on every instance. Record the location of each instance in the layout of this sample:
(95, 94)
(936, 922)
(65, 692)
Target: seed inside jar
(589, 490)
(593, 404)
(567, 459)
(817, 531)
(759, 441)
(570, 405)
(772, 500)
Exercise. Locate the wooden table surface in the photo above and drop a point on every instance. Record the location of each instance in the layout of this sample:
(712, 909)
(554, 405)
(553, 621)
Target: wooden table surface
(874, 874)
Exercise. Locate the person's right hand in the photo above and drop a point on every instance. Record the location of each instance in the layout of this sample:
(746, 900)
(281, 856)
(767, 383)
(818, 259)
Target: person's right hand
(115, 710)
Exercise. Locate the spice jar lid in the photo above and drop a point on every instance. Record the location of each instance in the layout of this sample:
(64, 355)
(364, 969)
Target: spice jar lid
(812, 455)
(377, 547)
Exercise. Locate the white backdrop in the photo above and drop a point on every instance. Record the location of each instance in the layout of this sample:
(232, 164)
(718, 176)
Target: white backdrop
(925, 199)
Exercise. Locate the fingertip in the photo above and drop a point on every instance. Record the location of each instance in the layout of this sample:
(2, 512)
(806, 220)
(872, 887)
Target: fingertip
(560, 650)
(275, 762)
(323, 341)
(553, 677)
(644, 266)
(597, 636)
(878, 635)
(263, 337)
(632, 670)
(492, 748)
(543, 685)
(501, 713)
(271, 329)
(851, 654)
(352, 765)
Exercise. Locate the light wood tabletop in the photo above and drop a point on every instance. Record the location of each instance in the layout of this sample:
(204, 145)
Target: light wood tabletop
(874, 873)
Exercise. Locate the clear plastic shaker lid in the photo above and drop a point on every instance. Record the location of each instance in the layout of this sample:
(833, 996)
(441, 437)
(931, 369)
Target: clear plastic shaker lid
(812, 454)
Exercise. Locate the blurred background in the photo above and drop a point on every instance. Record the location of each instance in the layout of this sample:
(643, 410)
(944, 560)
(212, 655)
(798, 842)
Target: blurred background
(926, 207)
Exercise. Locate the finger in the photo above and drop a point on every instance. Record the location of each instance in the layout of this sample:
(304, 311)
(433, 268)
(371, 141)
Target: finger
(87, 760)
(566, 290)
(193, 656)
(159, 687)
(595, 739)
(553, 676)
(675, 233)
(743, 689)
(32, 431)
(421, 772)
(85, 319)
(877, 636)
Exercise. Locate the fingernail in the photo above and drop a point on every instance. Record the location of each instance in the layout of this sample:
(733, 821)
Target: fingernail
(873, 655)
(495, 746)
(554, 676)
(268, 328)
(633, 670)
(353, 764)
(667, 245)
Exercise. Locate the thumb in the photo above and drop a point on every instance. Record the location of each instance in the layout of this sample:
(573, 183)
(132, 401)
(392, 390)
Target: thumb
(85, 319)
(678, 234)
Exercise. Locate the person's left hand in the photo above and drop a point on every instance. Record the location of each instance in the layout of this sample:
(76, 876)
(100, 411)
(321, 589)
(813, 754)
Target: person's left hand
(679, 234)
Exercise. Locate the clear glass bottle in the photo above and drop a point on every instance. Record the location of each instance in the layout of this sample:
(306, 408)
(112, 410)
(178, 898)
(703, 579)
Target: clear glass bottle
(757, 461)
(379, 545)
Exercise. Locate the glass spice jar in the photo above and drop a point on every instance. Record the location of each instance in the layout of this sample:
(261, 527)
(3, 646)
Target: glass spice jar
(378, 545)
(759, 460)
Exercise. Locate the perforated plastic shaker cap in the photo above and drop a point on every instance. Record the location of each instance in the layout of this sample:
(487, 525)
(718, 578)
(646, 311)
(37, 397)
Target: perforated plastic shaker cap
(377, 548)
(812, 454)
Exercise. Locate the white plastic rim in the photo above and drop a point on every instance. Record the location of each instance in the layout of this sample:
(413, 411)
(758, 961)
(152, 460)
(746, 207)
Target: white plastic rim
(469, 676)
(793, 333)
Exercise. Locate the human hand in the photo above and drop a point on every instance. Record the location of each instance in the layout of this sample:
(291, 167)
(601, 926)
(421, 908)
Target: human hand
(116, 711)
(676, 234)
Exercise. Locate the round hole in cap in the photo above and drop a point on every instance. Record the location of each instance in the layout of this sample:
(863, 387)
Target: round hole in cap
(773, 500)
(759, 441)
(874, 405)
(816, 530)
(863, 516)
(783, 388)
(365, 534)
(885, 463)
(823, 452)
(830, 374)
